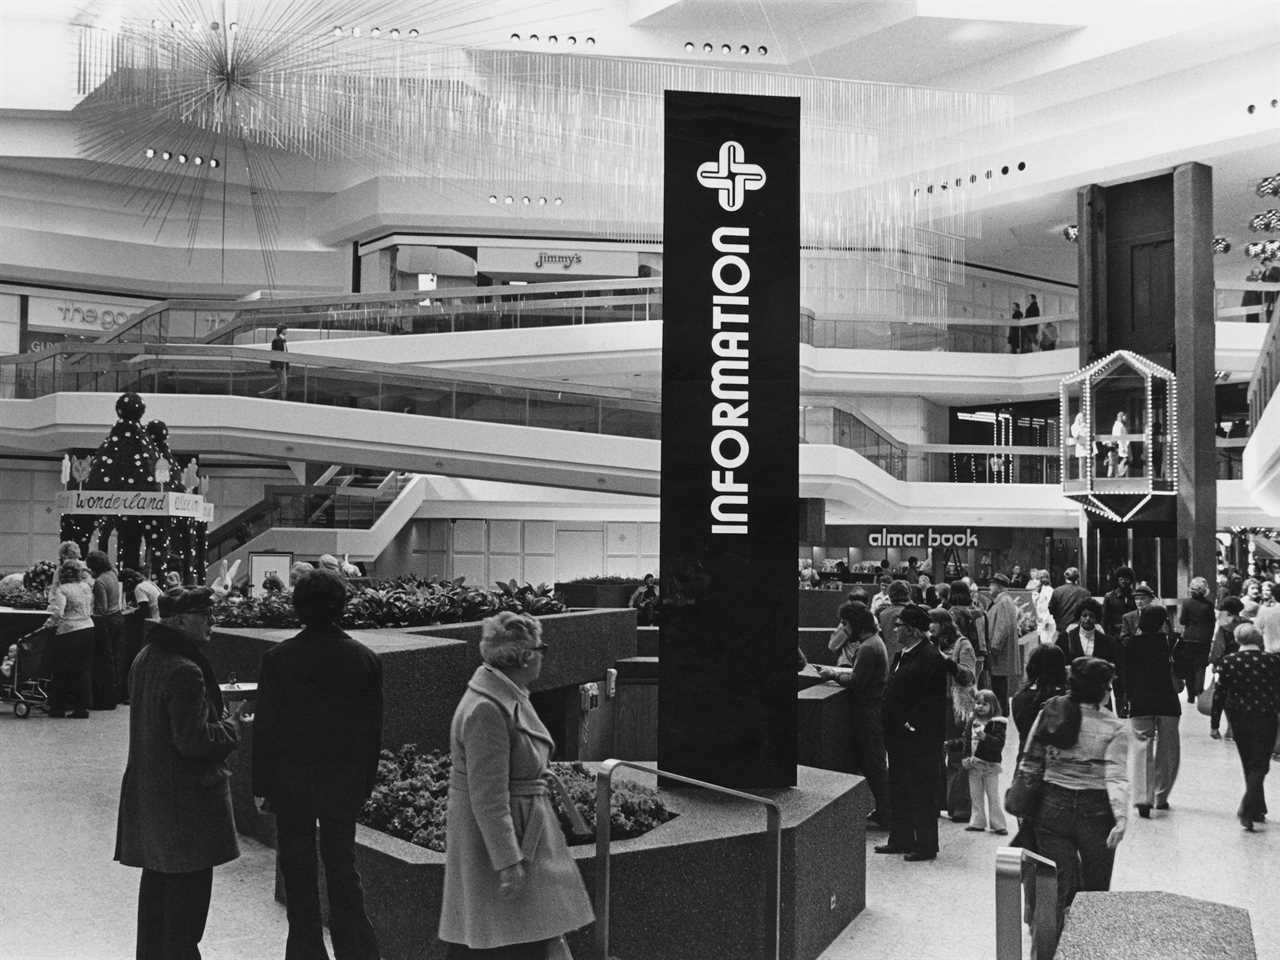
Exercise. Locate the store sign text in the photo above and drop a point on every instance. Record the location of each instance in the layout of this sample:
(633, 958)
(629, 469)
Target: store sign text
(923, 538)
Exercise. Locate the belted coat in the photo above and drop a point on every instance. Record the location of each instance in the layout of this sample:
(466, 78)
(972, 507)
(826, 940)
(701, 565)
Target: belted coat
(175, 798)
(499, 813)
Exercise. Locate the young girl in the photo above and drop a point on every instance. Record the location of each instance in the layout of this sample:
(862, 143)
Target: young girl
(985, 746)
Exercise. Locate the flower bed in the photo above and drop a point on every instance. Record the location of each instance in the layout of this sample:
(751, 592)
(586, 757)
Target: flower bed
(402, 602)
(411, 795)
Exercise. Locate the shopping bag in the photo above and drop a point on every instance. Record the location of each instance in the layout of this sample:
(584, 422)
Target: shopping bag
(1204, 702)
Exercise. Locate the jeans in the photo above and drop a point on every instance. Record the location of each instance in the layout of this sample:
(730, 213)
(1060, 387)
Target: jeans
(1071, 830)
(1155, 751)
(172, 910)
(984, 788)
(353, 937)
(913, 793)
(1255, 738)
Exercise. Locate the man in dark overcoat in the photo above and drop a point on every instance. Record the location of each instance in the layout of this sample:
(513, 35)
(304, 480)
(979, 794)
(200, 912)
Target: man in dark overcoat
(316, 737)
(175, 819)
(915, 710)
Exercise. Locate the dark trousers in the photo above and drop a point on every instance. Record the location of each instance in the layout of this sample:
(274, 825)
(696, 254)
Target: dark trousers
(1071, 830)
(70, 670)
(869, 757)
(172, 910)
(1000, 687)
(913, 794)
(108, 651)
(353, 937)
(1255, 735)
(1193, 658)
(515, 951)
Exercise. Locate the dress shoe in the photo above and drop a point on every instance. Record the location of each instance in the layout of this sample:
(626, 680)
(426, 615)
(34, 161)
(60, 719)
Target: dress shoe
(890, 848)
(971, 828)
(1144, 811)
(1163, 805)
(1246, 822)
(917, 856)
(1001, 833)
(79, 715)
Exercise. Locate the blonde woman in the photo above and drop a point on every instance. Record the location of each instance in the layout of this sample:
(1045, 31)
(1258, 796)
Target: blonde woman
(71, 646)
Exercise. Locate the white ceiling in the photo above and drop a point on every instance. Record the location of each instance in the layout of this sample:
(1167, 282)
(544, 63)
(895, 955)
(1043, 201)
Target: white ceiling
(1102, 92)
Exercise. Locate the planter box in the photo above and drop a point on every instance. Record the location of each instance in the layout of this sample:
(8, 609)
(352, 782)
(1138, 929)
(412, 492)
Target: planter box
(691, 889)
(596, 594)
(424, 672)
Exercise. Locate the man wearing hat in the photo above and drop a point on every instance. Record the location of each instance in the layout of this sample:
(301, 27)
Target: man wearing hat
(1004, 658)
(1143, 597)
(915, 711)
(175, 819)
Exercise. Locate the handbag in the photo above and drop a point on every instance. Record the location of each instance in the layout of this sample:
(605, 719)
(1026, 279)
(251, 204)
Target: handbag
(1204, 702)
(1022, 799)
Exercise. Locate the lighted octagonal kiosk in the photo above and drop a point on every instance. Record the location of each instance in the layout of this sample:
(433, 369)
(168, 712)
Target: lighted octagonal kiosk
(1119, 454)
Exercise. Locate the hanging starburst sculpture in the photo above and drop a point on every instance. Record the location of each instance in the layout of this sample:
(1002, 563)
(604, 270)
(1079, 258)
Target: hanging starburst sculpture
(204, 99)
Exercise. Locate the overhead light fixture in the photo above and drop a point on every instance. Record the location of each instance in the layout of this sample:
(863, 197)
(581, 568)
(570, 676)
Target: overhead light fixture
(413, 34)
(1221, 245)
(1268, 221)
(165, 155)
(394, 34)
(375, 32)
(1269, 186)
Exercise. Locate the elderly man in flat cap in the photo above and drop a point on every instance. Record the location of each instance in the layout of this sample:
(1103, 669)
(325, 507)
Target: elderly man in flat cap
(175, 819)
(915, 711)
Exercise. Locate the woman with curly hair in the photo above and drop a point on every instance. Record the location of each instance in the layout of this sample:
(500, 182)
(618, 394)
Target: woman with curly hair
(511, 889)
(70, 651)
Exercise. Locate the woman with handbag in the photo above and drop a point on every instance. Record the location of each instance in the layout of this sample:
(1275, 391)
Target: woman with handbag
(1082, 806)
(1199, 621)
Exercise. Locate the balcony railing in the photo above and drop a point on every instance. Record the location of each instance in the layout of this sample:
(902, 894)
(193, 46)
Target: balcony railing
(949, 334)
(395, 388)
(1266, 372)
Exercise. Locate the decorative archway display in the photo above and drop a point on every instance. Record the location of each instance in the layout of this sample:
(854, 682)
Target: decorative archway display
(1120, 435)
(133, 486)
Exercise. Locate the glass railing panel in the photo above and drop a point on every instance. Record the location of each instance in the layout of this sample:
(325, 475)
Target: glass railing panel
(620, 419)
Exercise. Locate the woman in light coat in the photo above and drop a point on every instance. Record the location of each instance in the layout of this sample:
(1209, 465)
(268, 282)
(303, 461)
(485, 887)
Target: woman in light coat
(509, 879)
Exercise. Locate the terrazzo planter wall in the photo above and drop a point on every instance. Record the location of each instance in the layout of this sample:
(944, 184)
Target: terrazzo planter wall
(692, 889)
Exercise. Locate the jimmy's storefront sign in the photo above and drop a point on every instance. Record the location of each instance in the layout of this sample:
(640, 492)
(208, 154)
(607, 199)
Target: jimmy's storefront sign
(134, 503)
(730, 460)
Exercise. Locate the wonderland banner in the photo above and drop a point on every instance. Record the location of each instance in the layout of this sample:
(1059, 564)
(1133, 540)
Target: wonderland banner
(730, 455)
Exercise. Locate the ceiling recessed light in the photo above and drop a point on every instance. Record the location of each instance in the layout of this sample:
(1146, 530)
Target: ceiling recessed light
(764, 51)
(375, 32)
(725, 48)
(493, 198)
(165, 155)
(744, 50)
(197, 160)
(573, 41)
(508, 199)
(413, 34)
(533, 37)
(591, 41)
(707, 48)
(337, 31)
(395, 33)
(553, 39)
(182, 158)
(149, 152)
(689, 47)
(213, 161)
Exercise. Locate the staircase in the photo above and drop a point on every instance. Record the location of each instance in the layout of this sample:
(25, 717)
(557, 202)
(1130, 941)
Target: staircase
(356, 512)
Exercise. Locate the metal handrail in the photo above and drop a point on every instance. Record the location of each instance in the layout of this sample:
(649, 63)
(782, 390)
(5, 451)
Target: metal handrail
(1012, 866)
(604, 794)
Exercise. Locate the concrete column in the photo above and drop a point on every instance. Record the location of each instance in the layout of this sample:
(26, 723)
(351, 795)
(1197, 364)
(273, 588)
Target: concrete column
(1091, 256)
(1193, 322)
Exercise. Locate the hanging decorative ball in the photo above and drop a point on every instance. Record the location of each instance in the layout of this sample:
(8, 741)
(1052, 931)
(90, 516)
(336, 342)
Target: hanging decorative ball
(1221, 245)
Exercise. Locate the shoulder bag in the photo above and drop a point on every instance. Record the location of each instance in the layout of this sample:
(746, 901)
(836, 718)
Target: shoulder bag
(1022, 799)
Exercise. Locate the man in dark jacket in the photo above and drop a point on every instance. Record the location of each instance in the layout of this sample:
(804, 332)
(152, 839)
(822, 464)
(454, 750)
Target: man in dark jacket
(1085, 638)
(1065, 601)
(915, 709)
(317, 734)
(1154, 712)
(175, 819)
(1118, 602)
(899, 598)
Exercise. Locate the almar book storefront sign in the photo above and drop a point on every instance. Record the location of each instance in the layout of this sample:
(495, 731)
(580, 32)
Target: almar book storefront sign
(730, 460)
(134, 503)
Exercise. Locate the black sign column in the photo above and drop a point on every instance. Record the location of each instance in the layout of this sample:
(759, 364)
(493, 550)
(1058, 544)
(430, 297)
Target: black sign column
(730, 455)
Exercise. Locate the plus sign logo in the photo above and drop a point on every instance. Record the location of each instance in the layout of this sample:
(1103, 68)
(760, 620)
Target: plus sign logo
(731, 175)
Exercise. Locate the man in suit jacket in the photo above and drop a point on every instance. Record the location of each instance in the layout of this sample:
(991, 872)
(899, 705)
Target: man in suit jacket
(1004, 661)
(1065, 601)
(317, 734)
(1143, 596)
(915, 711)
(175, 819)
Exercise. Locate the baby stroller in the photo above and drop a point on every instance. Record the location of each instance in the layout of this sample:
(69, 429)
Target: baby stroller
(20, 683)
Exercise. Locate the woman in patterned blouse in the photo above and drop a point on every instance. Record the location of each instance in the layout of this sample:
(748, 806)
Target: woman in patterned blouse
(1248, 688)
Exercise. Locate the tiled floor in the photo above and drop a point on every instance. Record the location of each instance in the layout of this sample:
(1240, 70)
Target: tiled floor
(62, 896)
